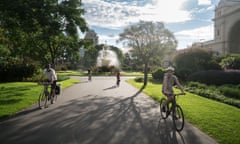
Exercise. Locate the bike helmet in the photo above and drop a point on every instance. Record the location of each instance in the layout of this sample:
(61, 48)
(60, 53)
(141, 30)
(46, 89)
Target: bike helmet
(170, 69)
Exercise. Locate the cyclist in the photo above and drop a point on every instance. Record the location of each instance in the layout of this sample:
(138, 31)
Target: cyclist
(51, 76)
(169, 80)
(118, 78)
(89, 75)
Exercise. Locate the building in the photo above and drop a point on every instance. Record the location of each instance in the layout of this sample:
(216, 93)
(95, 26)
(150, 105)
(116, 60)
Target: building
(226, 29)
(92, 36)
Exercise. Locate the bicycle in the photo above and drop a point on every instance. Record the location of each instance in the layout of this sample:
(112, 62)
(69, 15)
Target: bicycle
(175, 111)
(46, 95)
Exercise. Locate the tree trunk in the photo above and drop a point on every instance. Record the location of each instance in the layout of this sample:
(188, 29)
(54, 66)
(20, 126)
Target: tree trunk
(145, 75)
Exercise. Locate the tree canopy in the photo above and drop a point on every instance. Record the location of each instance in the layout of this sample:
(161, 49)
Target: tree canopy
(41, 29)
(149, 41)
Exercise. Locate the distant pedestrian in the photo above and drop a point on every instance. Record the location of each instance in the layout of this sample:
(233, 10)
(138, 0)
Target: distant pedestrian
(89, 75)
(118, 78)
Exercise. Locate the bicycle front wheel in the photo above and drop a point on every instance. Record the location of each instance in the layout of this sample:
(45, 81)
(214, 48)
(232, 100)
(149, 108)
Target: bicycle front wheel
(42, 100)
(163, 110)
(178, 118)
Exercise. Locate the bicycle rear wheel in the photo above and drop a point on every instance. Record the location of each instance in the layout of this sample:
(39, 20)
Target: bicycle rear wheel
(42, 100)
(163, 113)
(178, 118)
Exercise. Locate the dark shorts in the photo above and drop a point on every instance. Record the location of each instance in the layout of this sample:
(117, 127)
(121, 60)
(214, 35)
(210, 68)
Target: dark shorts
(53, 85)
(168, 94)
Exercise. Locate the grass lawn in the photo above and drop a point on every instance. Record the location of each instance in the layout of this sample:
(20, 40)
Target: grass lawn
(84, 73)
(218, 120)
(70, 73)
(17, 96)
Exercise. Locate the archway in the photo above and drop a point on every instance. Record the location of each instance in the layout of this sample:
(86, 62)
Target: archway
(234, 38)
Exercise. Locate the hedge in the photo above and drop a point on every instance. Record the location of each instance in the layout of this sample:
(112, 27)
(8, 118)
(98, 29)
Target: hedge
(216, 77)
(15, 71)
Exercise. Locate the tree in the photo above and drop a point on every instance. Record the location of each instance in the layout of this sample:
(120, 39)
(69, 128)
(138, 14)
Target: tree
(149, 41)
(40, 28)
(194, 60)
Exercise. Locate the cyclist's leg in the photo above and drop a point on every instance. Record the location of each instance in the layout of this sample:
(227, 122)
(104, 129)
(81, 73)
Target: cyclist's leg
(170, 98)
(53, 90)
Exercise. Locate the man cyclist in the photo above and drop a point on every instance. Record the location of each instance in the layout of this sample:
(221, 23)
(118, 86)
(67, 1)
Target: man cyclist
(51, 76)
(169, 80)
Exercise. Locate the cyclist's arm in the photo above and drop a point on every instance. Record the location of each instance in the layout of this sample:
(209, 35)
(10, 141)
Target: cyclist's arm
(165, 90)
(179, 86)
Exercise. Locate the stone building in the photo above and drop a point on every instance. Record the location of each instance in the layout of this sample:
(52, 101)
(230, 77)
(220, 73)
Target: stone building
(226, 29)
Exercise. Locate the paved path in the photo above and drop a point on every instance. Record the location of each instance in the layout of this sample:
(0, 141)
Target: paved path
(97, 112)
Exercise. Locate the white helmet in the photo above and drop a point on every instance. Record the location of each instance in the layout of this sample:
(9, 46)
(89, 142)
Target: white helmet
(170, 68)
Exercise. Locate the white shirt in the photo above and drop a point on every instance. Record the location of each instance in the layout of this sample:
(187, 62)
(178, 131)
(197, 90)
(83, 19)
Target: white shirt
(49, 73)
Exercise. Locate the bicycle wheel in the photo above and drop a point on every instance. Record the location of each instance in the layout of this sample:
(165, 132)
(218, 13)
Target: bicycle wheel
(163, 113)
(178, 118)
(42, 100)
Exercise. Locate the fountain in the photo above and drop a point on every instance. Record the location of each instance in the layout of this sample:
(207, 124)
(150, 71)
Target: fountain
(107, 58)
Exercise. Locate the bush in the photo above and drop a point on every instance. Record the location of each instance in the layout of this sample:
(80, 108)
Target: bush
(158, 74)
(228, 94)
(183, 73)
(216, 77)
(15, 70)
(231, 61)
(138, 79)
(195, 60)
(230, 91)
(196, 85)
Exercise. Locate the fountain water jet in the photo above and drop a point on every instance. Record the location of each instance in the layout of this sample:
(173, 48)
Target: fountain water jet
(107, 58)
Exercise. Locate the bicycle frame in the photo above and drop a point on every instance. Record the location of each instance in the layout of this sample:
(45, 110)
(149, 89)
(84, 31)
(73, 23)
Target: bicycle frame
(175, 111)
(45, 95)
(174, 102)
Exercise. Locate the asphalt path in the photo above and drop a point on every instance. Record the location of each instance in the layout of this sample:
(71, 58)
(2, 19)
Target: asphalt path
(98, 112)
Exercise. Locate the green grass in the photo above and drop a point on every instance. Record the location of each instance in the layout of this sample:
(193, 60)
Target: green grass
(17, 96)
(84, 73)
(70, 73)
(216, 119)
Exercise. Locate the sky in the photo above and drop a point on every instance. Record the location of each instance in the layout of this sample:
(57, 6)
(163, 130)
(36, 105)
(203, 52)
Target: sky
(189, 20)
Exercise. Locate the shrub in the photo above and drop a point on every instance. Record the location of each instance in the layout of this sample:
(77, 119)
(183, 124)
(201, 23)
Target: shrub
(230, 91)
(183, 73)
(216, 77)
(158, 74)
(138, 79)
(228, 94)
(15, 70)
(195, 60)
(196, 85)
(231, 61)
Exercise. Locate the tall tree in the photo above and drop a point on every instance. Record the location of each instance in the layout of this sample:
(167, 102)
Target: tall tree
(149, 41)
(46, 24)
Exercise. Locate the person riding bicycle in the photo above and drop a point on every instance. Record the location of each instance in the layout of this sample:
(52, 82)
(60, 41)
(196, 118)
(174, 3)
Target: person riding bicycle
(169, 80)
(118, 78)
(51, 76)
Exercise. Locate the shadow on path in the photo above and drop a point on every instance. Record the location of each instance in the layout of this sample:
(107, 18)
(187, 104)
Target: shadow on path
(94, 119)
